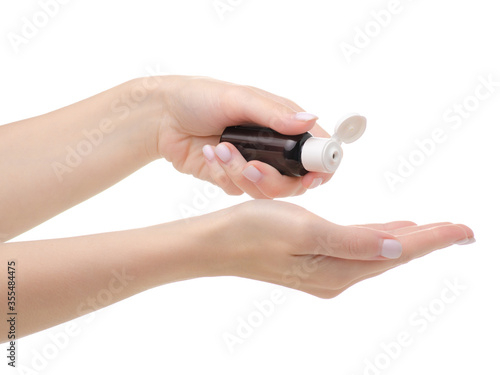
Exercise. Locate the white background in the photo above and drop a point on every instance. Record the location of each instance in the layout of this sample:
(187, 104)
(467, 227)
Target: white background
(428, 58)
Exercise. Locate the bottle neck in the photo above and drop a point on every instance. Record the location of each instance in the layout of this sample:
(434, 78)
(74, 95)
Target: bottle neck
(321, 154)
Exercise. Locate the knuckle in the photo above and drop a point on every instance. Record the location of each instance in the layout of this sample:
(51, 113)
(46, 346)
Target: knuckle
(223, 180)
(300, 191)
(225, 183)
(271, 190)
(234, 192)
(234, 169)
(271, 193)
(275, 120)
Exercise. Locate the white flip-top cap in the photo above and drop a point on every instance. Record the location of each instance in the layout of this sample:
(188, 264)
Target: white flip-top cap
(350, 128)
(325, 154)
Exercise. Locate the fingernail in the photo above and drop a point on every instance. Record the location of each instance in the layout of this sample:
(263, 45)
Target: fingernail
(305, 116)
(208, 152)
(391, 249)
(315, 183)
(466, 241)
(223, 152)
(251, 173)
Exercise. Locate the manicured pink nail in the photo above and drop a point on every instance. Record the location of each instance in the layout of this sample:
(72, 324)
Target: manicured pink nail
(466, 241)
(315, 183)
(391, 249)
(305, 116)
(223, 152)
(251, 173)
(208, 152)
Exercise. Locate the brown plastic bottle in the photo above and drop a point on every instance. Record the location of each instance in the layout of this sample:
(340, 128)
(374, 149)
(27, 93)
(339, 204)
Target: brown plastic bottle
(295, 155)
(281, 151)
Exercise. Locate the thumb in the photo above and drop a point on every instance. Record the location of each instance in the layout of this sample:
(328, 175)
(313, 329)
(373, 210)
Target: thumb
(355, 243)
(267, 112)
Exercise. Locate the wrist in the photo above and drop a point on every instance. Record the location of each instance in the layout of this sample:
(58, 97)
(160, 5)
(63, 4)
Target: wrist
(140, 106)
(183, 250)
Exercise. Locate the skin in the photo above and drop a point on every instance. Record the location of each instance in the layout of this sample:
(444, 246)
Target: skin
(173, 117)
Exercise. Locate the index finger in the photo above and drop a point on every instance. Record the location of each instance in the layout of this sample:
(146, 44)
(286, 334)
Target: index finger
(316, 130)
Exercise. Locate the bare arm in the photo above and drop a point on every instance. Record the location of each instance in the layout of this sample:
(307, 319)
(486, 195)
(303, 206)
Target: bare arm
(52, 162)
(61, 279)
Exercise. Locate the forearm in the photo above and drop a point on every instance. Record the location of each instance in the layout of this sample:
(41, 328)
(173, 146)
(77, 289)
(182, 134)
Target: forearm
(51, 162)
(59, 280)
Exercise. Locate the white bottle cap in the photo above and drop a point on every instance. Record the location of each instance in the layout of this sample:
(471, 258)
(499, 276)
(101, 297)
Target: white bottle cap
(325, 154)
(350, 128)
